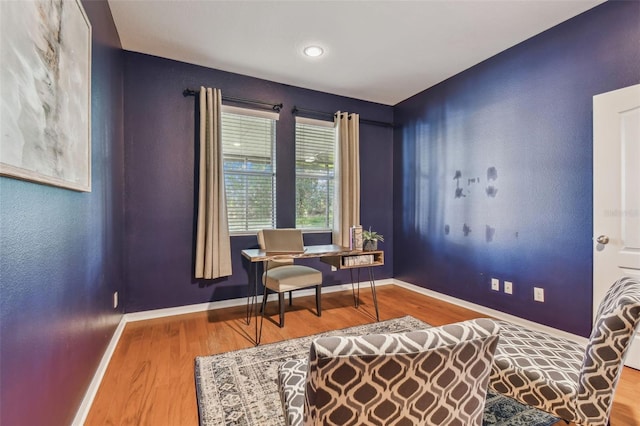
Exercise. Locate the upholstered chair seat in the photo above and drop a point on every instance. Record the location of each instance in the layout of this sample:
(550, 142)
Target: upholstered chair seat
(572, 381)
(291, 277)
(435, 376)
(536, 365)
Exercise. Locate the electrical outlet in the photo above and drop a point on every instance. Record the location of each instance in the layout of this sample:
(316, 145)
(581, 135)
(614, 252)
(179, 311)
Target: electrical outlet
(495, 284)
(115, 299)
(538, 294)
(508, 287)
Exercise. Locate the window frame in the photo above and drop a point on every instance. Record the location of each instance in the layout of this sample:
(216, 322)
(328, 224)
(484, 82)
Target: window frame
(271, 115)
(331, 179)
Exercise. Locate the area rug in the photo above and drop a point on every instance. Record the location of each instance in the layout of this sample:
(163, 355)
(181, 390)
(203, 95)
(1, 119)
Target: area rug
(239, 387)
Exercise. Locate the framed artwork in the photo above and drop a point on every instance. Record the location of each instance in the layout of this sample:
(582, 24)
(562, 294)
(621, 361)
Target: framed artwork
(45, 85)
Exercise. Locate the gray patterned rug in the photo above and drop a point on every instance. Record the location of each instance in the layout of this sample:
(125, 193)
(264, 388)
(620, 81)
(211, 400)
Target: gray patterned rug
(239, 387)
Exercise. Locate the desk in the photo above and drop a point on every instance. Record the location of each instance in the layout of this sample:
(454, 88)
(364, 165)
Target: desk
(331, 254)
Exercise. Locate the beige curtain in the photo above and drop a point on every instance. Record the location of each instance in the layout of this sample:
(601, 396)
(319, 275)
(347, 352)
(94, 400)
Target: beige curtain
(347, 205)
(213, 247)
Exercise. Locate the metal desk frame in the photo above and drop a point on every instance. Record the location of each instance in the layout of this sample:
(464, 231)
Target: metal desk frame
(331, 254)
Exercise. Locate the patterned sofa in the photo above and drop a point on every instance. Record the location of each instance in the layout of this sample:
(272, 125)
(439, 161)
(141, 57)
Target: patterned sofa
(433, 376)
(574, 382)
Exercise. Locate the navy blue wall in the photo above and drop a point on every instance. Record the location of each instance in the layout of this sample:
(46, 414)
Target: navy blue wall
(61, 262)
(159, 160)
(493, 170)
(519, 124)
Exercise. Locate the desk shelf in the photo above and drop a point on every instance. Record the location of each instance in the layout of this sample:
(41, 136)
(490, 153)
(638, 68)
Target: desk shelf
(338, 262)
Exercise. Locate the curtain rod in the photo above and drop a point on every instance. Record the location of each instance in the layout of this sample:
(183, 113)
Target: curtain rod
(275, 107)
(296, 110)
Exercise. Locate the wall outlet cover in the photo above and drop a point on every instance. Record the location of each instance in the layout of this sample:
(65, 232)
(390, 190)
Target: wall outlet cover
(538, 294)
(508, 287)
(495, 284)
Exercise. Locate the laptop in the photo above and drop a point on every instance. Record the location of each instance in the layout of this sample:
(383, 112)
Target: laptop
(283, 241)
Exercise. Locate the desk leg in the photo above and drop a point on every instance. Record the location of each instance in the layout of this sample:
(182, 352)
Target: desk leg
(252, 302)
(258, 332)
(372, 281)
(356, 297)
(249, 298)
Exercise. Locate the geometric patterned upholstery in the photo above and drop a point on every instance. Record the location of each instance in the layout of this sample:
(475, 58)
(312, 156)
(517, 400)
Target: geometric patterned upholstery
(433, 376)
(574, 382)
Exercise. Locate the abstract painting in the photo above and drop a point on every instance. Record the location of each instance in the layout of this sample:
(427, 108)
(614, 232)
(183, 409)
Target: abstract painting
(45, 87)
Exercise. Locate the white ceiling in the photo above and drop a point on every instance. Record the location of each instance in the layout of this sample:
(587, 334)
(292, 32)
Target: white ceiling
(381, 51)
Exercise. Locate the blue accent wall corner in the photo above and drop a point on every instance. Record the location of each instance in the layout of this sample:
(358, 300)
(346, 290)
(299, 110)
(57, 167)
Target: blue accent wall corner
(493, 170)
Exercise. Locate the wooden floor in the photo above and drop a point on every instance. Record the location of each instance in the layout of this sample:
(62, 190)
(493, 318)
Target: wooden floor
(150, 379)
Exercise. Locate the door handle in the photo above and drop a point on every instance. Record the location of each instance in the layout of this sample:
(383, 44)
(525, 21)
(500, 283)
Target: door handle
(603, 239)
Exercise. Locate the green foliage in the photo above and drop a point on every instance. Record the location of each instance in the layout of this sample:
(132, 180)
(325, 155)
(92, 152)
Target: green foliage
(369, 235)
(314, 199)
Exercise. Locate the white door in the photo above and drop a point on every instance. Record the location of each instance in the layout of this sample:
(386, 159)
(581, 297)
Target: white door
(616, 193)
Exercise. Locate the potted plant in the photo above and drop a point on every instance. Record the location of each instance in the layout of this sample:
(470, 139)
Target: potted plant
(370, 240)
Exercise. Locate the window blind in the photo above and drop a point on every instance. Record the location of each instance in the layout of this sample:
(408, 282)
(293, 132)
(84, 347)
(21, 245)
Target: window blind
(248, 146)
(315, 152)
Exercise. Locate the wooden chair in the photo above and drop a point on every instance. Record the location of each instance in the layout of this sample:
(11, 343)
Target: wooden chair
(283, 276)
(436, 376)
(561, 377)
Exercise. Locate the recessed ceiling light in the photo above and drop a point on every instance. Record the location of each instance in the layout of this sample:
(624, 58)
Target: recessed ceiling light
(313, 51)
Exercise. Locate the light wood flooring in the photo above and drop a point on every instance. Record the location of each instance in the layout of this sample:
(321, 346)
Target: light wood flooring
(150, 379)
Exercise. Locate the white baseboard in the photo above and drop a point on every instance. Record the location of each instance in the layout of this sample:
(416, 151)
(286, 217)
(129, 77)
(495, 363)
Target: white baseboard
(492, 312)
(90, 394)
(201, 307)
(83, 411)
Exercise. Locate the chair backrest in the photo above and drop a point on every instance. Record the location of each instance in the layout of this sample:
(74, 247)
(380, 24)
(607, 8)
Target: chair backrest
(263, 246)
(617, 320)
(285, 241)
(433, 376)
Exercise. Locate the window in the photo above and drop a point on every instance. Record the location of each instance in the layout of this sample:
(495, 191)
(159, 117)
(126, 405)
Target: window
(248, 147)
(315, 145)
